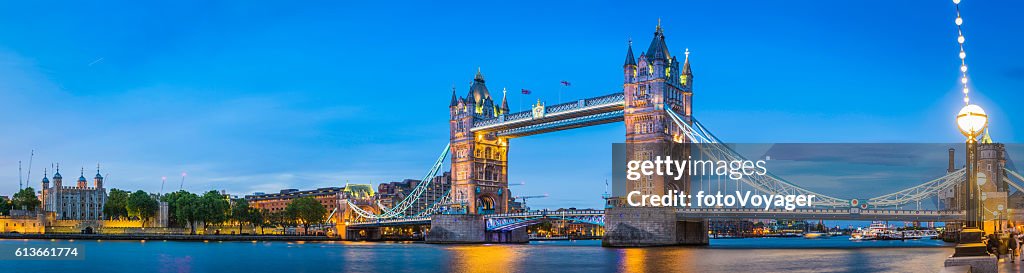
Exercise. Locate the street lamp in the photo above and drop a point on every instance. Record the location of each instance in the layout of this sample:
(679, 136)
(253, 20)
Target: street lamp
(972, 120)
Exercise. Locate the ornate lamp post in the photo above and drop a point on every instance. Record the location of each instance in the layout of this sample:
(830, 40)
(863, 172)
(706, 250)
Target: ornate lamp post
(972, 120)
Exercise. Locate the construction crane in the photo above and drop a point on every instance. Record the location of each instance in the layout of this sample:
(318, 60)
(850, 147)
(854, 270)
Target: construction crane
(182, 184)
(163, 180)
(29, 176)
(527, 197)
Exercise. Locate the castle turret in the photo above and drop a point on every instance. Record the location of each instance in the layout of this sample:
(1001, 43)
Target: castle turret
(479, 98)
(629, 67)
(45, 190)
(455, 99)
(658, 50)
(686, 77)
(98, 179)
(81, 180)
(46, 181)
(504, 102)
(57, 179)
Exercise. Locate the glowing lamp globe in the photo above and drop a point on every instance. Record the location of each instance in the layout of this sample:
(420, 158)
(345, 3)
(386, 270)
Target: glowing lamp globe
(971, 120)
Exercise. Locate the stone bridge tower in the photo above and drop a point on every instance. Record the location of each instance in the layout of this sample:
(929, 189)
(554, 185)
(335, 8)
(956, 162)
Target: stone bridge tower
(479, 159)
(652, 83)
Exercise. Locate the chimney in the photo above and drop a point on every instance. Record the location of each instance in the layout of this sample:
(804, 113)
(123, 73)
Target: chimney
(951, 169)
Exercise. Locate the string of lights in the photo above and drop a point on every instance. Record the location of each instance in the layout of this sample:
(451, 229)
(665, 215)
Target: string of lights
(963, 54)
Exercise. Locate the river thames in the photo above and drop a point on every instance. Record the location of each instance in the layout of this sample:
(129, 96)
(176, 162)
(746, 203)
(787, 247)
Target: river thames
(836, 254)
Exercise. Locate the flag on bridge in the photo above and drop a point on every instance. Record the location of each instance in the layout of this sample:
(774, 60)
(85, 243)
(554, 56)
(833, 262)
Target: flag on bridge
(566, 83)
(526, 91)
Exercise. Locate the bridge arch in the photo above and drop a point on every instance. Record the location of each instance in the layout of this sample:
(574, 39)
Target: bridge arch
(485, 204)
(350, 216)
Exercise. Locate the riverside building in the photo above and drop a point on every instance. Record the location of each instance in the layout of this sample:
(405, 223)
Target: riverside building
(78, 202)
(330, 197)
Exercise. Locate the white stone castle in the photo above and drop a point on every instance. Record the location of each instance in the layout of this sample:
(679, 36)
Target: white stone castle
(79, 202)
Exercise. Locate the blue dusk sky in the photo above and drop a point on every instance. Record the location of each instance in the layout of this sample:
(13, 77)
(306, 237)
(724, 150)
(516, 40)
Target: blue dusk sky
(258, 96)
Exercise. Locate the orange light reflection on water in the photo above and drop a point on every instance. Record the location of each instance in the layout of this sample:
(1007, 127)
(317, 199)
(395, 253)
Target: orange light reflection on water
(632, 260)
(485, 258)
(660, 259)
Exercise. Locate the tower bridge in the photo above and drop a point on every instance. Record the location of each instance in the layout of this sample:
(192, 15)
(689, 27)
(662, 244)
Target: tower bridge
(655, 106)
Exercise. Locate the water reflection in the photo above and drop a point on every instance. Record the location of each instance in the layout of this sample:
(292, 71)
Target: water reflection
(485, 258)
(738, 255)
(632, 260)
(695, 259)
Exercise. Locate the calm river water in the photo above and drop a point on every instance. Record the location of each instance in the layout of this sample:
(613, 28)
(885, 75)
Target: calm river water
(835, 254)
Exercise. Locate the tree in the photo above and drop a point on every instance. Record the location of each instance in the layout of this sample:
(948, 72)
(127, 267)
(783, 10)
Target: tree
(117, 204)
(173, 205)
(258, 218)
(26, 199)
(240, 212)
(279, 219)
(187, 208)
(141, 205)
(213, 208)
(307, 211)
(5, 206)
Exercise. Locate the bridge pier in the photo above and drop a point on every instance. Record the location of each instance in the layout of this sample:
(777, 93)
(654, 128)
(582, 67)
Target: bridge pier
(362, 234)
(650, 226)
(469, 229)
(515, 236)
(457, 229)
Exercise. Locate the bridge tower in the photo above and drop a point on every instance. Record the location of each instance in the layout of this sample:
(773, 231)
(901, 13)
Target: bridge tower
(479, 160)
(652, 83)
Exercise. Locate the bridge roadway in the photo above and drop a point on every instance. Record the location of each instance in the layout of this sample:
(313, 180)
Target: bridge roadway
(520, 216)
(508, 221)
(580, 113)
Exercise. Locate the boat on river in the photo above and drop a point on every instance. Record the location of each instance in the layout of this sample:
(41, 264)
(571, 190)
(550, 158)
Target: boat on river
(876, 231)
